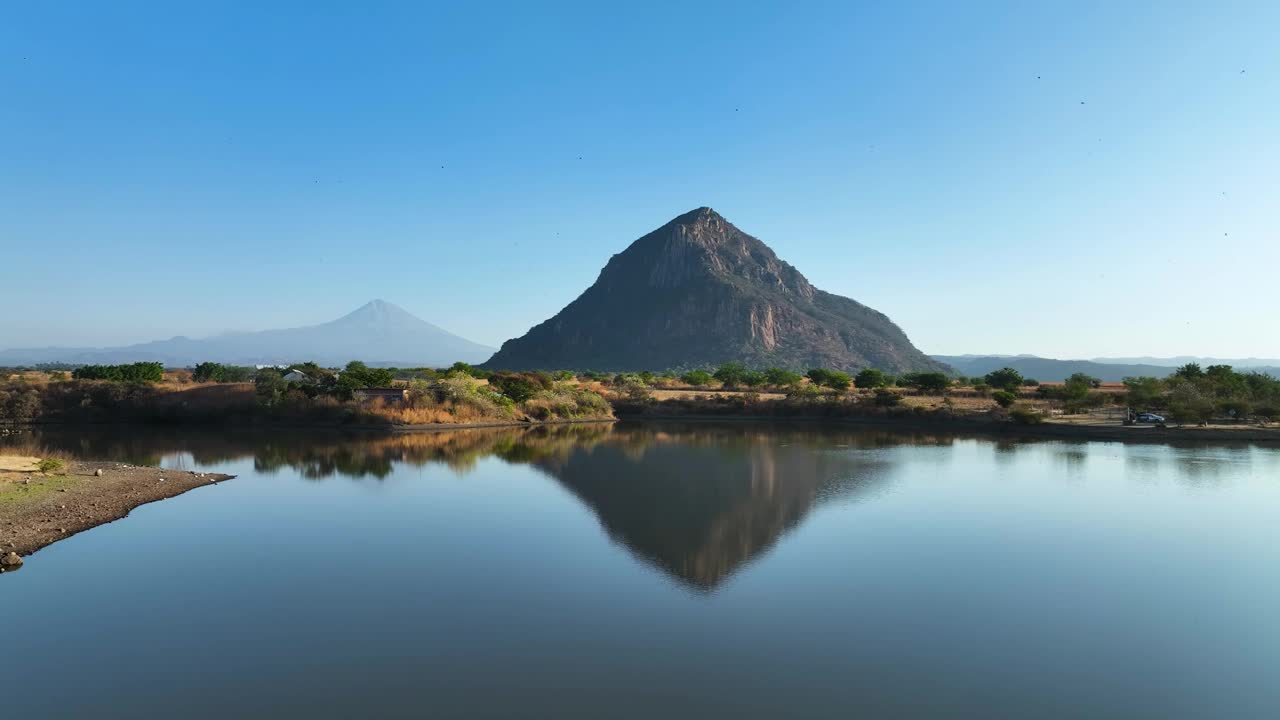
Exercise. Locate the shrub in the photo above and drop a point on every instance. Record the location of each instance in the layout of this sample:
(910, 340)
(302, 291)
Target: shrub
(885, 397)
(49, 466)
(1030, 382)
(1004, 398)
(1024, 415)
(517, 387)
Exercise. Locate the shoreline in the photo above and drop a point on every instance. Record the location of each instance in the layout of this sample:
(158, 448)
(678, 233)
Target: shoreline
(37, 510)
(983, 426)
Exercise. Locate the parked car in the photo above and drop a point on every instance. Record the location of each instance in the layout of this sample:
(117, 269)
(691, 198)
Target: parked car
(1149, 418)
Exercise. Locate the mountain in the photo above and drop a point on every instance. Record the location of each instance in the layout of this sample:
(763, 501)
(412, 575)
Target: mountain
(699, 292)
(1052, 370)
(378, 333)
(1180, 360)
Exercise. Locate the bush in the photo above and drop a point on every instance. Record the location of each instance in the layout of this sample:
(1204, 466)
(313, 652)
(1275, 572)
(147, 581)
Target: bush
(1004, 398)
(49, 466)
(1024, 415)
(885, 397)
(1030, 382)
(518, 387)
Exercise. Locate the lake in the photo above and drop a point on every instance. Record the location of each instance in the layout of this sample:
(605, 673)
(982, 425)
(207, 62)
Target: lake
(660, 570)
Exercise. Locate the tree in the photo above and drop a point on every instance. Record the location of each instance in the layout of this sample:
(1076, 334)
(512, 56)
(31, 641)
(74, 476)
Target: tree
(1142, 392)
(1030, 382)
(1004, 379)
(1004, 398)
(696, 378)
(818, 376)
(358, 375)
(1190, 371)
(754, 378)
(139, 372)
(20, 405)
(208, 372)
(730, 374)
(1082, 380)
(870, 378)
(834, 379)
(778, 377)
(269, 386)
(1188, 403)
(929, 383)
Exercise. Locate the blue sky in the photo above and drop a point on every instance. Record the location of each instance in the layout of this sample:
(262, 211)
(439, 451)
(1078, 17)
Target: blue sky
(1069, 179)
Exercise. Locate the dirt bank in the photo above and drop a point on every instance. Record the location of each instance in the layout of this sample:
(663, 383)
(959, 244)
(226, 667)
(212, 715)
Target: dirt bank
(38, 509)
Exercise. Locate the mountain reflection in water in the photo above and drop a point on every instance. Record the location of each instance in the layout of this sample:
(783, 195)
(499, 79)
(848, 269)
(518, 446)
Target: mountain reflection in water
(697, 501)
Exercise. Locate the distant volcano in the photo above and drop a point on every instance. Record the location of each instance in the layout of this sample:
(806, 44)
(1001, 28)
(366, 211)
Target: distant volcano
(698, 291)
(378, 333)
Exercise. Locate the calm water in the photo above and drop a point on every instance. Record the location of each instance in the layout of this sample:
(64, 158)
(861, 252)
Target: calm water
(661, 571)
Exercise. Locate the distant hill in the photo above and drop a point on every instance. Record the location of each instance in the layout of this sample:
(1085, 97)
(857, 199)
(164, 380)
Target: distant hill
(1051, 370)
(700, 292)
(378, 333)
(1184, 359)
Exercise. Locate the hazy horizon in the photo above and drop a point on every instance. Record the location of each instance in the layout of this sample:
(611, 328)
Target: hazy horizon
(1001, 179)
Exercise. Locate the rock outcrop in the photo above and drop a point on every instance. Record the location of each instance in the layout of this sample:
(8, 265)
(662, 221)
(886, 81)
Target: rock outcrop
(700, 292)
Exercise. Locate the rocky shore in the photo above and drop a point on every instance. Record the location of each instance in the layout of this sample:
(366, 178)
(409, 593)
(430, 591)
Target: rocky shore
(39, 509)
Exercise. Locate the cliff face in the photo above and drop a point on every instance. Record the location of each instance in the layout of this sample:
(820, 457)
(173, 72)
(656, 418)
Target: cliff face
(699, 291)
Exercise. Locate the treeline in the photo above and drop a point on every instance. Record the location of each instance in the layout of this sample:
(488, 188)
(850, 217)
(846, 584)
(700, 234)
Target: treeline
(139, 372)
(1195, 394)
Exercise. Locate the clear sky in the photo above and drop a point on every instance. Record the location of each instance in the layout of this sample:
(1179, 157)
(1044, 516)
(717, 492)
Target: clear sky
(1068, 179)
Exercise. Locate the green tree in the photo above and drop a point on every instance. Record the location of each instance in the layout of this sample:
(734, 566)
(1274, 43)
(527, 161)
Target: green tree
(780, 378)
(1143, 392)
(834, 379)
(696, 378)
(1004, 379)
(870, 378)
(1004, 398)
(1190, 371)
(754, 378)
(208, 372)
(730, 374)
(929, 383)
(269, 386)
(1188, 403)
(358, 375)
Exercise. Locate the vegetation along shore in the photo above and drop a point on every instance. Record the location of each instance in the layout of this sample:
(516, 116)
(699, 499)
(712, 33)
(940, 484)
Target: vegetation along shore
(1192, 402)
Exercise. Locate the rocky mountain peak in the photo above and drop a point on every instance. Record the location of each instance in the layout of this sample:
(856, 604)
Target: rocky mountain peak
(698, 291)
